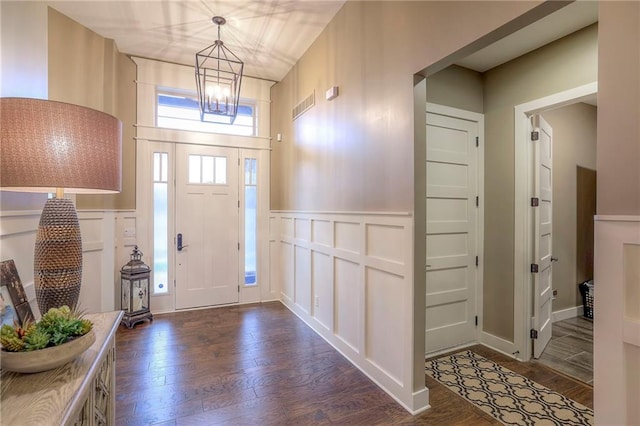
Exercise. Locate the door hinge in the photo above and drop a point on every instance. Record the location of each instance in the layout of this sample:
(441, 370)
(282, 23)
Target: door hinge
(535, 201)
(238, 161)
(477, 261)
(534, 268)
(477, 201)
(533, 333)
(174, 283)
(238, 203)
(477, 141)
(238, 288)
(238, 246)
(476, 320)
(535, 136)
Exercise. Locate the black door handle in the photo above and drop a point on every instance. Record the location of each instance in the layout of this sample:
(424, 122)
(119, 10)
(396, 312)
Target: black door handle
(179, 243)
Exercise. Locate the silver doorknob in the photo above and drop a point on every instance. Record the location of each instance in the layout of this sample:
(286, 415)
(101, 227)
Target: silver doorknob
(554, 259)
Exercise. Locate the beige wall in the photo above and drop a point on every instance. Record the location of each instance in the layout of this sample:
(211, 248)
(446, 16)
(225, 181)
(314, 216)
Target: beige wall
(87, 69)
(574, 144)
(562, 65)
(619, 92)
(355, 153)
(457, 87)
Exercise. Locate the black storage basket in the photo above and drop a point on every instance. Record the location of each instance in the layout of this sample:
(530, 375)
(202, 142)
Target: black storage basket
(586, 290)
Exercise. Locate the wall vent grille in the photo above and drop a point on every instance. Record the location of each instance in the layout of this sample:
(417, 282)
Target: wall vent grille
(303, 106)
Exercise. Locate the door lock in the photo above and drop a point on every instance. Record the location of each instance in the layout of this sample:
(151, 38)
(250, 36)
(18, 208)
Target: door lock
(179, 243)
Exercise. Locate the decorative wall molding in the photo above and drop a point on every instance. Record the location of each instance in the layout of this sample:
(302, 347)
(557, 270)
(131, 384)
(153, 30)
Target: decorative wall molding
(349, 276)
(616, 351)
(103, 253)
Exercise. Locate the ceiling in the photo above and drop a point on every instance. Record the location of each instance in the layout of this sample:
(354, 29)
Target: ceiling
(271, 35)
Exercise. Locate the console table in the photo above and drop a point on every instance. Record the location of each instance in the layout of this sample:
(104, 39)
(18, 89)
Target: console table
(81, 392)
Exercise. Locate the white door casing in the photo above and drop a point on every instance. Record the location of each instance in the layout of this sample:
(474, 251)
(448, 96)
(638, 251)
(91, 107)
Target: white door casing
(543, 237)
(207, 217)
(523, 218)
(452, 238)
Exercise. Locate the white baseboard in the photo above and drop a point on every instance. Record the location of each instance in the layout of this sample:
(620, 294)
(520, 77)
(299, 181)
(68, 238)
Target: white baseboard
(564, 314)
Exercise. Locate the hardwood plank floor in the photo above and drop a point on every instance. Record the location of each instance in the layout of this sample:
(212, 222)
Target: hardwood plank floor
(260, 364)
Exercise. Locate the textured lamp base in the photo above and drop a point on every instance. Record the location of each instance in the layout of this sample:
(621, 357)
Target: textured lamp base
(58, 256)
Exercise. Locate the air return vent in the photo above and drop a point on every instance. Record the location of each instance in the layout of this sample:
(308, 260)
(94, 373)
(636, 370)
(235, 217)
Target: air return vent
(303, 106)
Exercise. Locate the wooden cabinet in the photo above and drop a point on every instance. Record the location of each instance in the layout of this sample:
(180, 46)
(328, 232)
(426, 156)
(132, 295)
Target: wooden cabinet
(81, 392)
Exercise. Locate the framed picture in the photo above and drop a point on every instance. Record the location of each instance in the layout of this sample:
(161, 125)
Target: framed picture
(15, 305)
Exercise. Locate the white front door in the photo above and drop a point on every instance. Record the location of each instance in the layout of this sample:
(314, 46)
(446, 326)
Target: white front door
(207, 226)
(542, 138)
(451, 239)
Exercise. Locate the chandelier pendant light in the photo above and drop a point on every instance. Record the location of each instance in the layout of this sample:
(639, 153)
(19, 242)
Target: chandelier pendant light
(218, 79)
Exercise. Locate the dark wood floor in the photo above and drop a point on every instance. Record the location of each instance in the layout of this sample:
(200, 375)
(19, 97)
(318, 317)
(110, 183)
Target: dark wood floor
(259, 364)
(570, 349)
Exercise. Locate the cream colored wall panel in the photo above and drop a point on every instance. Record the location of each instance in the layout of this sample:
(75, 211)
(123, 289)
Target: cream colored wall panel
(384, 293)
(321, 232)
(90, 296)
(446, 279)
(446, 314)
(286, 226)
(631, 262)
(303, 278)
(302, 228)
(322, 285)
(346, 236)
(274, 266)
(348, 303)
(632, 383)
(286, 270)
(446, 246)
(385, 242)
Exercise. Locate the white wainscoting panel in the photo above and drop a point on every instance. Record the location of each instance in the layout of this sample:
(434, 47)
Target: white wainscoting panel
(616, 350)
(17, 241)
(349, 276)
(102, 254)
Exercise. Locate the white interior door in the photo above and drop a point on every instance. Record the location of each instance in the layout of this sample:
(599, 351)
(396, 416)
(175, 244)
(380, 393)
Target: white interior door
(452, 188)
(207, 219)
(542, 241)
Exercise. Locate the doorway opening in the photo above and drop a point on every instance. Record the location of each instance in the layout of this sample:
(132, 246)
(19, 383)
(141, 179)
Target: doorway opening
(573, 338)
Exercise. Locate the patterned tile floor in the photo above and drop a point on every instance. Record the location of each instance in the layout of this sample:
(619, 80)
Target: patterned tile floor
(570, 350)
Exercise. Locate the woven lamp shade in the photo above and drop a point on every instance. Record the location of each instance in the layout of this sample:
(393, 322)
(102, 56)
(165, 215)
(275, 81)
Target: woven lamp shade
(47, 146)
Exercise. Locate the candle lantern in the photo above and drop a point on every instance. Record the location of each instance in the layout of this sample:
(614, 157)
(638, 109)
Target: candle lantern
(135, 277)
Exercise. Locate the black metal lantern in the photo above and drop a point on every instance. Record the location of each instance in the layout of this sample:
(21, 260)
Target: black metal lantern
(135, 277)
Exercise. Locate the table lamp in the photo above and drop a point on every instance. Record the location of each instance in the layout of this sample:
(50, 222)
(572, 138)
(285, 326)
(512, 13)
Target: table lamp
(53, 147)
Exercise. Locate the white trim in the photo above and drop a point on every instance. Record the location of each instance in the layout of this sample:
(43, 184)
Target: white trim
(563, 314)
(448, 350)
(523, 219)
(611, 218)
(479, 119)
(333, 213)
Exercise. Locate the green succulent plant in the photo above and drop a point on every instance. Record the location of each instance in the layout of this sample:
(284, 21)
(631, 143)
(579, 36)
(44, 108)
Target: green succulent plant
(57, 326)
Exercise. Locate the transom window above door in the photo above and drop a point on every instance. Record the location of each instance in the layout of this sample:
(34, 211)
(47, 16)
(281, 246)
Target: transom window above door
(182, 112)
(207, 170)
